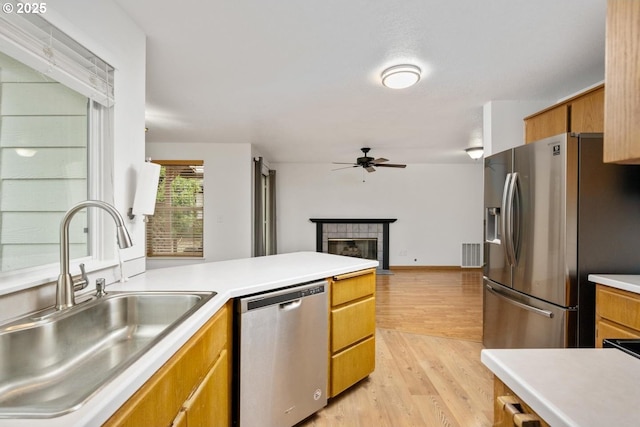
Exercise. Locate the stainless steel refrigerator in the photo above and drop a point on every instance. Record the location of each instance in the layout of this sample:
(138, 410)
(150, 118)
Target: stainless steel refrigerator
(554, 213)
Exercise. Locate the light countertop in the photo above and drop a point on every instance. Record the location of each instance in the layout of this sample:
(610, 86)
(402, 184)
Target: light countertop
(572, 387)
(626, 282)
(229, 279)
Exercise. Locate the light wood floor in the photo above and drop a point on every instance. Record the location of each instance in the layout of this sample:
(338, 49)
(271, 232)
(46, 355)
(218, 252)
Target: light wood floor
(428, 370)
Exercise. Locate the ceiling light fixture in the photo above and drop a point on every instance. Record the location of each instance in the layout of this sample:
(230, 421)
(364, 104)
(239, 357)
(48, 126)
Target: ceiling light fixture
(401, 76)
(475, 152)
(26, 152)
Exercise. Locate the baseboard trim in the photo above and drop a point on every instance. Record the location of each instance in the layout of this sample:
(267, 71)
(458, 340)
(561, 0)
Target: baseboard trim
(433, 268)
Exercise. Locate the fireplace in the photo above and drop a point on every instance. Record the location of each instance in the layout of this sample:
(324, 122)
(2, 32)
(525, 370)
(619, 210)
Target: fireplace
(362, 237)
(354, 247)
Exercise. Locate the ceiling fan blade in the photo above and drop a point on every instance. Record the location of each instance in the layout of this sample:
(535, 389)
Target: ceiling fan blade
(370, 168)
(346, 167)
(380, 160)
(391, 165)
(344, 163)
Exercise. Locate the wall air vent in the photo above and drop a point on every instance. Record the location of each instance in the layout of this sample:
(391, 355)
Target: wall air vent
(471, 255)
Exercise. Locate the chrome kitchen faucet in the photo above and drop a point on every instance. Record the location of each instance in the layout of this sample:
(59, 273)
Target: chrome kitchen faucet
(65, 296)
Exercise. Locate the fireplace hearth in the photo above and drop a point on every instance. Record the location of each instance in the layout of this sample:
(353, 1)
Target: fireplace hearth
(361, 237)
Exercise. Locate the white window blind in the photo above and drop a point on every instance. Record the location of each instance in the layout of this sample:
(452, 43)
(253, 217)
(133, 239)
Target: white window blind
(31, 39)
(176, 228)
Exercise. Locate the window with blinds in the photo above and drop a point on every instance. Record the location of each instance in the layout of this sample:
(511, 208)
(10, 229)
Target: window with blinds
(175, 229)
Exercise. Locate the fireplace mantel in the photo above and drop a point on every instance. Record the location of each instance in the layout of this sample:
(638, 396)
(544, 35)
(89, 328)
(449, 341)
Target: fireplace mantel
(385, 232)
(353, 220)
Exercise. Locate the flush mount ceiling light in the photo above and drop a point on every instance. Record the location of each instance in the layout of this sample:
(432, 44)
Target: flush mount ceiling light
(475, 152)
(401, 76)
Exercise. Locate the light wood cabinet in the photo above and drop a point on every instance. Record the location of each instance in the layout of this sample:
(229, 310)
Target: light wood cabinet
(351, 329)
(622, 75)
(509, 410)
(193, 387)
(581, 113)
(617, 314)
(549, 122)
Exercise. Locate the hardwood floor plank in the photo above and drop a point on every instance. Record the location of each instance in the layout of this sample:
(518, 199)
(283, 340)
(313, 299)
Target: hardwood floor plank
(428, 370)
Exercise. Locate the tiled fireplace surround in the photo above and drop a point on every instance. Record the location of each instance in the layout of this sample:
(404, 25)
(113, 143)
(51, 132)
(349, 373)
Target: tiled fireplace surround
(368, 228)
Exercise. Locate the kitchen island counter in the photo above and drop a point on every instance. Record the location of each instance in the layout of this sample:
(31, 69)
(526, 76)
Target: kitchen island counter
(229, 279)
(572, 387)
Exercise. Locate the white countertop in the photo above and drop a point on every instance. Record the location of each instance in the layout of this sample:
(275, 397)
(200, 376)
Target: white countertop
(229, 279)
(626, 282)
(572, 387)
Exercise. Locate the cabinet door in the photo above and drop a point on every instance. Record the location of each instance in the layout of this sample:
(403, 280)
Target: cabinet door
(587, 112)
(180, 420)
(210, 405)
(606, 329)
(622, 71)
(618, 306)
(351, 365)
(159, 400)
(550, 122)
(509, 410)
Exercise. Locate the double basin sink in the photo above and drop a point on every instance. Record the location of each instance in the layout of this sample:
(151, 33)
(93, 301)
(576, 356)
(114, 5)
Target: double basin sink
(52, 363)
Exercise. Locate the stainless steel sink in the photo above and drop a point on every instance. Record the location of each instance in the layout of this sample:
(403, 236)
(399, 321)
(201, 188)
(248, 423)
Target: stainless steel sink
(51, 363)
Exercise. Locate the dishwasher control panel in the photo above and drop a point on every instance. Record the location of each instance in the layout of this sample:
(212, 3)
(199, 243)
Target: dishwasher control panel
(312, 291)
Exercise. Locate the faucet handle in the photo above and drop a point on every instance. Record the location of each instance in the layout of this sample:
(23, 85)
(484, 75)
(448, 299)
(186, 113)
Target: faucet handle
(83, 281)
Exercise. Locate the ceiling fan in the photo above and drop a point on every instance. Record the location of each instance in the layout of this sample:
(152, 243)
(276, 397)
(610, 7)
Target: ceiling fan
(368, 163)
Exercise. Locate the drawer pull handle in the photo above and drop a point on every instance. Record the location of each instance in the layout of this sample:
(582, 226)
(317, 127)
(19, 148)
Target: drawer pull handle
(512, 406)
(352, 274)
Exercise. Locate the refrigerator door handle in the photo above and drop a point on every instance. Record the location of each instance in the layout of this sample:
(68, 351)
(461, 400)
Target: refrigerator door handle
(514, 219)
(545, 313)
(507, 218)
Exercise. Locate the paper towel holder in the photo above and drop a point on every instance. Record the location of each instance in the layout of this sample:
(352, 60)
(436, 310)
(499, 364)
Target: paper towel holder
(144, 202)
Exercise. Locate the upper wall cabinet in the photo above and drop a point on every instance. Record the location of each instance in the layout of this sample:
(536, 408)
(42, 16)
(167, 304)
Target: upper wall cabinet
(581, 113)
(622, 76)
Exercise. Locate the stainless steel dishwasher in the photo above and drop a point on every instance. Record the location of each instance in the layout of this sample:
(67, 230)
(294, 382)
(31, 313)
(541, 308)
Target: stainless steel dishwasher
(283, 355)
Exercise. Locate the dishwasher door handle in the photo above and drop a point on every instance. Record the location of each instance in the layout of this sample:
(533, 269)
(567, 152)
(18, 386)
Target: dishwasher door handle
(291, 305)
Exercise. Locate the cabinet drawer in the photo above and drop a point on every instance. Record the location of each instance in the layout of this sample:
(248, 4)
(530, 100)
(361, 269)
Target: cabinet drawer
(606, 329)
(618, 306)
(352, 365)
(350, 287)
(352, 322)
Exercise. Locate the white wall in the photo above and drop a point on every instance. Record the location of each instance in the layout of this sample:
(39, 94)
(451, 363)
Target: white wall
(227, 197)
(438, 207)
(503, 124)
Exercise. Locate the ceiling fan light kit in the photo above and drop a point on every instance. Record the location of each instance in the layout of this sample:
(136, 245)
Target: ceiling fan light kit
(401, 76)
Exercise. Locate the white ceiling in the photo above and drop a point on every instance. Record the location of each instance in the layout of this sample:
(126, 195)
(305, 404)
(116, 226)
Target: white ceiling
(300, 79)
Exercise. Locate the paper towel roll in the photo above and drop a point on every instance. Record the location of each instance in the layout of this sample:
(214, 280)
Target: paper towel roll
(144, 202)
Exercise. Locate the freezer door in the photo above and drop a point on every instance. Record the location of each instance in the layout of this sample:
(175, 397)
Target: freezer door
(497, 169)
(514, 320)
(546, 180)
